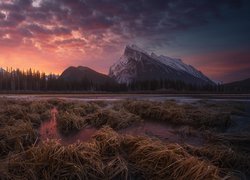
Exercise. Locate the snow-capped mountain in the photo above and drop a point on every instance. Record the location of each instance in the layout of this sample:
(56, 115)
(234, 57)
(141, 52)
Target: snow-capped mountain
(138, 65)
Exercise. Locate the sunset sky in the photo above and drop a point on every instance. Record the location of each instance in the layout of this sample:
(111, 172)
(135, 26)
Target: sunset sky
(50, 35)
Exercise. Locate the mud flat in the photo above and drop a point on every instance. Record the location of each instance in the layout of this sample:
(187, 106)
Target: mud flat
(124, 139)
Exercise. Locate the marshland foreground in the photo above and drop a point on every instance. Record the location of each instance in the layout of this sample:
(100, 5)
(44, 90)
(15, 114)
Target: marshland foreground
(127, 139)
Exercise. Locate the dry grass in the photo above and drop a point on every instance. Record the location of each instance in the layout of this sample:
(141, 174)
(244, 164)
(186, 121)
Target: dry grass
(75, 116)
(223, 156)
(115, 119)
(69, 122)
(108, 142)
(51, 160)
(240, 140)
(72, 116)
(34, 112)
(80, 109)
(155, 160)
(108, 156)
(173, 113)
(17, 122)
(17, 137)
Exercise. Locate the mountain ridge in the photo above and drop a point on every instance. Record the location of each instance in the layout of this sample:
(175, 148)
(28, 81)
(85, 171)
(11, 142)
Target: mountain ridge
(138, 65)
(80, 73)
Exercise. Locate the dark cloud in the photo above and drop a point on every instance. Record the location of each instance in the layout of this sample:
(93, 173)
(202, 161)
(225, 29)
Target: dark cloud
(39, 29)
(2, 16)
(23, 3)
(127, 19)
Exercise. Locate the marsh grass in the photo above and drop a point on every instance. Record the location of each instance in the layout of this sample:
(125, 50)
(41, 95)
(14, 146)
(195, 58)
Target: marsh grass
(116, 119)
(50, 160)
(74, 116)
(18, 123)
(71, 116)
(81, 109)
(111, 156)
(173, 113)
(69, 122)
(17, 137)
(155, 160)
(223, 156)
(34, 112)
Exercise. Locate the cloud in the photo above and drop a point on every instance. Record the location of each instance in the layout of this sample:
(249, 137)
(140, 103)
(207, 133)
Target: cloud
(94, 19)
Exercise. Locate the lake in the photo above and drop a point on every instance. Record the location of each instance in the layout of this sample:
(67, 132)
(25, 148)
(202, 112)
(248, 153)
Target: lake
(181, 98)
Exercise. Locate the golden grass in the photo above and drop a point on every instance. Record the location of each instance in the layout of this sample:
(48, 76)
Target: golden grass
(223, 156)
(80, 109)
(51, 160)
(16, 137)
(173, 113)
(69, 122)
(17, 122)
(34, 112)
(155, 160)
(115, 119)
(75, 116)
(72, 115)
(108, 156)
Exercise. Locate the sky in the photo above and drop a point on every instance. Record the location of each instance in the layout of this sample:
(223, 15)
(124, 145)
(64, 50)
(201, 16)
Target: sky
(51, 35)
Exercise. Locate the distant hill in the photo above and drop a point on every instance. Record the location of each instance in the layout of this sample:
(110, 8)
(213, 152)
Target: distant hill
(77, 74)
(138, 65)
(243, 85)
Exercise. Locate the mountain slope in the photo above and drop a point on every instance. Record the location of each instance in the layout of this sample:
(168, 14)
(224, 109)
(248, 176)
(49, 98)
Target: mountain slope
(243, 85)
(137, 65)
(77, 74)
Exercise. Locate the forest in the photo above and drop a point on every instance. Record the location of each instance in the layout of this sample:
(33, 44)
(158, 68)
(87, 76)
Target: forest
(16, 80)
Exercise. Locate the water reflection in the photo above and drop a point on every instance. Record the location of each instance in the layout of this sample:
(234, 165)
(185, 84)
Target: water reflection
(48, 130)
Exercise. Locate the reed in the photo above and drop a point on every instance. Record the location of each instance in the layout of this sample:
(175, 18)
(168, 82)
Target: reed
(50, 160)
(223, 156)
(69, 122)
(155, 160)
(170, 112)
(17, 137)
(108, 156)
(115, 119)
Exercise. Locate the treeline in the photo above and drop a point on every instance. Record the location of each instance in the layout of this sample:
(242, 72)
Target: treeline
(31, 80)
(166, 84)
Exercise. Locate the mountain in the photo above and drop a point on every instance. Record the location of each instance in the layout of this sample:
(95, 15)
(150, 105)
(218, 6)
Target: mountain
(243, 85)
(137, 65)
(77, 74)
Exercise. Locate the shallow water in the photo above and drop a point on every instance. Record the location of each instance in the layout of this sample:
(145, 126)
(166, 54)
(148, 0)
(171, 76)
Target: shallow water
(166, 133)
(181, 98)
(48, 130)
